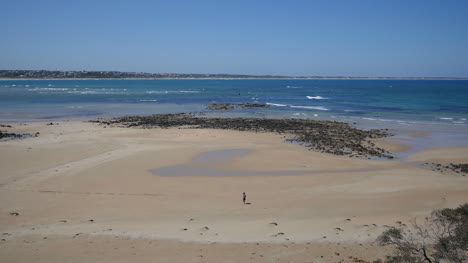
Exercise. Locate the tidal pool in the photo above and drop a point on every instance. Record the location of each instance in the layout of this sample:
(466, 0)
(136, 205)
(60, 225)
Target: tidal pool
(201, 166)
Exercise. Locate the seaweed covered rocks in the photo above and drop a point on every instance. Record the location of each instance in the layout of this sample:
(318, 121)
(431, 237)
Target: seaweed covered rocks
(461, 167)
(9, 135)
(220, 107)
(234, 106)
(457, 168)
(337, 138)
(6, 135)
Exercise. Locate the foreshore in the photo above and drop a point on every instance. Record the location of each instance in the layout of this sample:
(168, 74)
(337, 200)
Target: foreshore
(91, 192)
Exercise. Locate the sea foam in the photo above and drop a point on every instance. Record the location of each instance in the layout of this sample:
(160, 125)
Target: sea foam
(48, 89)
(277, 105)
(171, 91)
(316, 98)
(310, 107)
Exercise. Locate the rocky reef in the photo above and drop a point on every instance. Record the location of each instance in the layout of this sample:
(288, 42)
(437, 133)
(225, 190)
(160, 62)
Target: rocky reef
(337, 138)
(457, 168)
(463, 167)
(234, 106)
(9, 135)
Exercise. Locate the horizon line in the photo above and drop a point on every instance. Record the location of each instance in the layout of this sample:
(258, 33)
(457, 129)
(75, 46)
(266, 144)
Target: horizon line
(212, 75)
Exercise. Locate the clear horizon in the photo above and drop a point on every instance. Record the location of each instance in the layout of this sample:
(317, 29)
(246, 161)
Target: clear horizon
(294, 38)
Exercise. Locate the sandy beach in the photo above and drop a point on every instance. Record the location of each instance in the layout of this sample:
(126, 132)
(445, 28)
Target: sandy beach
(85, 192)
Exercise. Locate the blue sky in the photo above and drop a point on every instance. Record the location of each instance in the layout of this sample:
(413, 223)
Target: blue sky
(312, 38)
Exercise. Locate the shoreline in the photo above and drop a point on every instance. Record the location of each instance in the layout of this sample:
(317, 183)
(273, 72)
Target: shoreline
(424, 135)
(80, 182)
(364, 122)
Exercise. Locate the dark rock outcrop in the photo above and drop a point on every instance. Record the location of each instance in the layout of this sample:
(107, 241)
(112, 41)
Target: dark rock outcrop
(337, 138)
(234, 106)
(9, 135)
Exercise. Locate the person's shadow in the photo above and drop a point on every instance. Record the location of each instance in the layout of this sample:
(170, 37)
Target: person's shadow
(248, 203)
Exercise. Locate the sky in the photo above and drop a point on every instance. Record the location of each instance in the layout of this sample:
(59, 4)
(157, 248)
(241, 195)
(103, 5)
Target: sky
(392, 38)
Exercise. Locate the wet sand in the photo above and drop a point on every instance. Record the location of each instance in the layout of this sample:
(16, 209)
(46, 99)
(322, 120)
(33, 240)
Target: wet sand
(85, 193)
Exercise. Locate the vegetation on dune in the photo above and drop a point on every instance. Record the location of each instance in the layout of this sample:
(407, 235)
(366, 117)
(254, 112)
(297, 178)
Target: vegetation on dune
(442, 237)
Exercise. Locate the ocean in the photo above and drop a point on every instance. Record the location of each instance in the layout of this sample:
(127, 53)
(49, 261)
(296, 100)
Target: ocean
(377, 101)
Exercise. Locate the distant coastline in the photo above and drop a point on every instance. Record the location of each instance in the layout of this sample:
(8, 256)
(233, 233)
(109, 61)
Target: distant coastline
(115, 75)
(252, 78)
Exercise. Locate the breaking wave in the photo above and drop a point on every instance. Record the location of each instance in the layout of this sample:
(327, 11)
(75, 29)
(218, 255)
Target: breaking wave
(277, 105)
(310, 107)
(171, 91)
(316, 98)
(93, 92)
(48, 89)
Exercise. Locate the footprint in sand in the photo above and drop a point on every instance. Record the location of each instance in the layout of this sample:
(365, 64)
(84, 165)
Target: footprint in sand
(279, 234)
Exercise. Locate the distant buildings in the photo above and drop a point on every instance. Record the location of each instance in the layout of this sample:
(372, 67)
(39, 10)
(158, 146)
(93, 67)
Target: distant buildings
(50, 74)
(55, 74)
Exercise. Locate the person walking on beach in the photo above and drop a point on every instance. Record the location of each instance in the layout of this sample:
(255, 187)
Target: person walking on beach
(244, 197)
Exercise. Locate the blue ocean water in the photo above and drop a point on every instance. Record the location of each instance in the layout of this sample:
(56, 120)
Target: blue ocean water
(433, 101)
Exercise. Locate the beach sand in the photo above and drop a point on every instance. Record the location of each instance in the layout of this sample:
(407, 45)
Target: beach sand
(86, 193)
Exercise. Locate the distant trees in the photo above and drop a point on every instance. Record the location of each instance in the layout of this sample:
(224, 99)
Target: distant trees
(442, 237)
